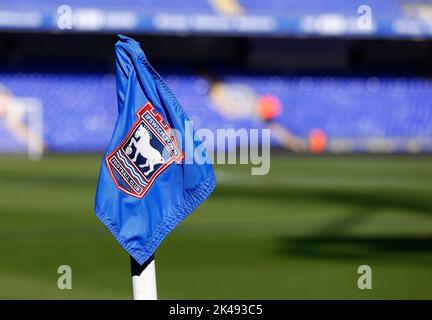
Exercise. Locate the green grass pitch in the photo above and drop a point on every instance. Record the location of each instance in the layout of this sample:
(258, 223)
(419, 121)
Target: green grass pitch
(299, 232)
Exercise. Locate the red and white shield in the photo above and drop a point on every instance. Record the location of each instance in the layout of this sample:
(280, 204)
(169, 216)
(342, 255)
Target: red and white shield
(147, 150)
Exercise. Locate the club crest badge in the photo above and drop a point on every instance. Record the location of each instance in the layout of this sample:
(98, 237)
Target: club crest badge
(148, 149)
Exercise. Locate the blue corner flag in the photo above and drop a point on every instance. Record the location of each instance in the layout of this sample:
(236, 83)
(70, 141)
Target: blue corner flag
(146, 187)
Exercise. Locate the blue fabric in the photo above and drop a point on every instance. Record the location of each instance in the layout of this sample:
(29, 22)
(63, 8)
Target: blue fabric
(145, 187)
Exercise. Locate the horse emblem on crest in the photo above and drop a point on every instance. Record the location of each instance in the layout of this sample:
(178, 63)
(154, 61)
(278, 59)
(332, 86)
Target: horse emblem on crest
(147, 150)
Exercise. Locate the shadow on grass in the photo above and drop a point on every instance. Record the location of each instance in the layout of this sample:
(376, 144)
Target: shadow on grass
(406, 248)
(332, 240)
(368, 200)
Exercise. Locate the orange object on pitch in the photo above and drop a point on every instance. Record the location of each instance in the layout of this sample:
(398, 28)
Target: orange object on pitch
(317, 141)
(269, 107)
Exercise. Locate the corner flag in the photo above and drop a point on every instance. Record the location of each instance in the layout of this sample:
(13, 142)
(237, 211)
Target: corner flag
(145, 186)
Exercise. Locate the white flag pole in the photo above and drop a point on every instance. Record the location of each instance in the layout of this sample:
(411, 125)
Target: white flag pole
(144, 280)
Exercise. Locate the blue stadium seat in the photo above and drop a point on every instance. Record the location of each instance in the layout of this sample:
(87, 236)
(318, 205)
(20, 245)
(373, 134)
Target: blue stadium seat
(80, 109)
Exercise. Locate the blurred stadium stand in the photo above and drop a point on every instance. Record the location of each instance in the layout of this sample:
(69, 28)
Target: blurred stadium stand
(391, 18)
(357, 113)
(369, 94)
